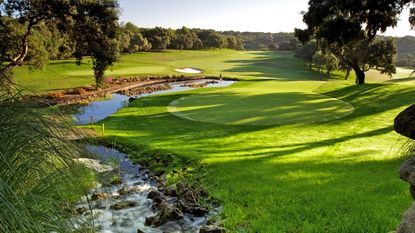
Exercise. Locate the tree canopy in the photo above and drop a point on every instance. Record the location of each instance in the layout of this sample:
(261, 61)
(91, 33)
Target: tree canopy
(90, 25)
(348, 30)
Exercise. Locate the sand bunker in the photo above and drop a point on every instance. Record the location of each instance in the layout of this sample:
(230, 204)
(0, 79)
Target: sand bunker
(189, 70)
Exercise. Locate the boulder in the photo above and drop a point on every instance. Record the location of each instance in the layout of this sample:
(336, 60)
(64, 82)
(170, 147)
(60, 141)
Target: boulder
(158, 198)
(193, 209)
(81, 210)
(171, 191)
(168, 213)
(124, 191)
(123, 205)
(99, 196)
(407, 171)
(212, 229)
(408, 222)
(405, 122)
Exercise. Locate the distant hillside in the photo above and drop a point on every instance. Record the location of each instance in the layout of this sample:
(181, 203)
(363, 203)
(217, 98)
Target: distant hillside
(406, 51)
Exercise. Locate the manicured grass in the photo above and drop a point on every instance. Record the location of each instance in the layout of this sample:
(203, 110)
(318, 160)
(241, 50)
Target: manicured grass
(65, 74)
(266, 102)
(331, 176)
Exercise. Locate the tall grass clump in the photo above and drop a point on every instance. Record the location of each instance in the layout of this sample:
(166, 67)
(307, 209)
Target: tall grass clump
(39, 179)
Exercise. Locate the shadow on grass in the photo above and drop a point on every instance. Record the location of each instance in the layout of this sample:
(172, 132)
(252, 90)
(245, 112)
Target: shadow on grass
(334, 196)
(281, 66)
(262, 109)
(401, 80)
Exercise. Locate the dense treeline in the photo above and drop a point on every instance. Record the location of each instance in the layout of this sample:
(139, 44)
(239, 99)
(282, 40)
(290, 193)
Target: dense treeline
(406, 51)
(311, 52)
(185, 38)
(51, 43)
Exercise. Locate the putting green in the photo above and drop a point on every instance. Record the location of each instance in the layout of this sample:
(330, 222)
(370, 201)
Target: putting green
(267, 102)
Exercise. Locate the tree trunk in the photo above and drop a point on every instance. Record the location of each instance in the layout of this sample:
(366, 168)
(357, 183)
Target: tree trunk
(328, 73)
(99, 79)
(310, 66)
(347, 73)
(360, 75)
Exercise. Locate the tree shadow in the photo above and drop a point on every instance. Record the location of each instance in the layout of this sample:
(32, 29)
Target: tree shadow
(274, 65)
(262, 109)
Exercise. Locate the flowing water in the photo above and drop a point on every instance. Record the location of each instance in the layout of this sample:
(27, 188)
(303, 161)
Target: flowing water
(136, 180)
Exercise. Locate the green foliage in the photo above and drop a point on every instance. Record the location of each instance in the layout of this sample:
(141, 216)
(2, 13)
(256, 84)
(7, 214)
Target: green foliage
(95, 33)
(307, 51)
(36, 31)
(348, 30)
(131, 40)
(11, 33)
(159, 37)
(39, 179)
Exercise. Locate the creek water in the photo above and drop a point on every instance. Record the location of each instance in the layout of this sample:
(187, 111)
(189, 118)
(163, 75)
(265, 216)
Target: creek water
(133, 189)
(135, 183)
(99, 110)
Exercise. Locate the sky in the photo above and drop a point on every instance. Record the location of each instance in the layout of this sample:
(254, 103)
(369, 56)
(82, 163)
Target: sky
(237, 15)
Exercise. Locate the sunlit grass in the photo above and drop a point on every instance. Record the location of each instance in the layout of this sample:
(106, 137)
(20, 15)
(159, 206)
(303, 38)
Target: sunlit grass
(332, 176)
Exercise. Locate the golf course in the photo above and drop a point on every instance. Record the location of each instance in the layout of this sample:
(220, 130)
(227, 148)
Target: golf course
(284, 149)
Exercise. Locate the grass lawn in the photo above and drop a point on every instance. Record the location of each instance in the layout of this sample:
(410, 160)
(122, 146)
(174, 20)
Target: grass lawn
(264, 102)
(64, 74)
(337, 175)
(269, 165)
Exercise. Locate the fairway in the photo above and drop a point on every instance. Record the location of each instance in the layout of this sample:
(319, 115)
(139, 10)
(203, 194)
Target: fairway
(266, 102)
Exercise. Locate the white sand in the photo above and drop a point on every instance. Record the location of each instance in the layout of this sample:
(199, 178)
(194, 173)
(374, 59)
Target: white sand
(189, 70)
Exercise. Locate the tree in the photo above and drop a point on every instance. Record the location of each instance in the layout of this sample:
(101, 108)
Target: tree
(184, 39)
(159, 37)
(91, 24)
(325, 61)
(349, 28)
(318, 61)
(95, 33)
(213, 41)
(273, 47)
(331, 63)
(139, 43)
(306, 52)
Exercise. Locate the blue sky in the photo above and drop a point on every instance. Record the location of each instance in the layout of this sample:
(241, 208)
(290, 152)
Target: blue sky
(238, 15)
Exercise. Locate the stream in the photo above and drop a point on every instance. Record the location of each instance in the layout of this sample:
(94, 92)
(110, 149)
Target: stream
(125, 206)
(99, 110)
